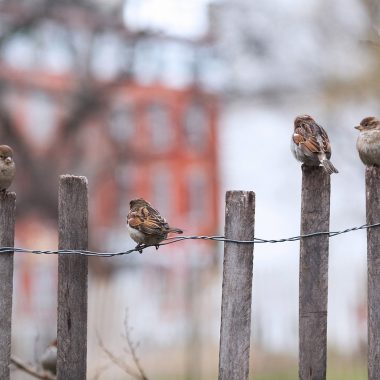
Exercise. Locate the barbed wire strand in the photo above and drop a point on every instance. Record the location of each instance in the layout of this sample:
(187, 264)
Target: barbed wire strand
(177, 239)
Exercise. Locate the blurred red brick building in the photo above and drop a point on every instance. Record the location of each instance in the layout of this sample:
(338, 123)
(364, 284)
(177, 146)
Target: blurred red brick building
(130, 140)
(149, 141)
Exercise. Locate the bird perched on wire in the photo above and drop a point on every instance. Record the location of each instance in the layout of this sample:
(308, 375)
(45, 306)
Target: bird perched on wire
(368, 142)
(7, 167)
(310, 144)
(48, 359)
(146, 226)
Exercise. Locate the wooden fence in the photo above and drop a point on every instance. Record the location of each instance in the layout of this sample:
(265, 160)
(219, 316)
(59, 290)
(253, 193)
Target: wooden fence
(235, 331)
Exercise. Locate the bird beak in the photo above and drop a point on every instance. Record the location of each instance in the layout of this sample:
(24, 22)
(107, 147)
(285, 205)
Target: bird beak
(8, 160)
(359, 127)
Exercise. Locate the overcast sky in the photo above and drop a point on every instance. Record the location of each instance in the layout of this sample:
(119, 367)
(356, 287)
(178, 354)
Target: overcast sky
(178, 18)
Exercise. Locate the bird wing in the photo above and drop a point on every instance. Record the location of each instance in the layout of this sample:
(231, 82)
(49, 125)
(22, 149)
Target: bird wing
(326, 147)
(148, 221)
(312, 140)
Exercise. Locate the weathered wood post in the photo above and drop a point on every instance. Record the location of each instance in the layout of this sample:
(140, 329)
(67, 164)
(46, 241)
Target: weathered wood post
(313, 280)
(7, 230)
(72, 279)
(235, 330)
(373, 262)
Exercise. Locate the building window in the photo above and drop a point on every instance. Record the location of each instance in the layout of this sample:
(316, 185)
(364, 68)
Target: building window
(196, 127)
(159, 127)
(121, 123)
(162, 194)
(40, 119)
(18, 51)
(126, 176)
(198, 197)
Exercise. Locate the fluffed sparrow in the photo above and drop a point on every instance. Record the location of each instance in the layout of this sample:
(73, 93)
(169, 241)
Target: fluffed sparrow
(368, 142)
(7, 167)
(146, 226)
(48, 359)
(310, 144)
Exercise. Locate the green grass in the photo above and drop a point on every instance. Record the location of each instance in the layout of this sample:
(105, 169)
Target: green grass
(276, 376)
(359, 373)
(352, 374)
(356, 374)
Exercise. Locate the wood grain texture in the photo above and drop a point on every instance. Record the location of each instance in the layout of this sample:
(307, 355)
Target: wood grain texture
(373, 262)
(7, 230)
(72, 279)
(235, 331)
(313, 280)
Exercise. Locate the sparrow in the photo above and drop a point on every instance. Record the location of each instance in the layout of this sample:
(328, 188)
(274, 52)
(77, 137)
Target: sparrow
(48, 359)
(146, 226)
(310, 144)
(7, 167)
(368, 142)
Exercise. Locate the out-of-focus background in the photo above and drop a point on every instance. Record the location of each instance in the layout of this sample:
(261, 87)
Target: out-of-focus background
(177, 102)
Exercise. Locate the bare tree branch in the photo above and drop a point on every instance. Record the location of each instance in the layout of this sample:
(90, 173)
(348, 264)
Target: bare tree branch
(100, 370)
(31, 370)
(35, 169)
(119, 362)
(133, 346)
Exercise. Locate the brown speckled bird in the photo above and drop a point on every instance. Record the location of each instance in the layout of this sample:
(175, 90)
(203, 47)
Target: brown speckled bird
(146, 226)
(310, 144)
(368, 142)
(7, 167)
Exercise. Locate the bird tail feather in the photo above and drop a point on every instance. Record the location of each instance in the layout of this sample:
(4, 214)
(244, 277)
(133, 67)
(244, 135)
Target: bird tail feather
(328, 166)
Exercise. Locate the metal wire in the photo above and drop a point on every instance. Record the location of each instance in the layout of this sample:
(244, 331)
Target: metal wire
(181, 238)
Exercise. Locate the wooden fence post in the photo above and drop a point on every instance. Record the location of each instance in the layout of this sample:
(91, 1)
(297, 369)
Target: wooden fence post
(72, 279)
(7, 228)
(235, 330)
(313, 280)
(373, 261)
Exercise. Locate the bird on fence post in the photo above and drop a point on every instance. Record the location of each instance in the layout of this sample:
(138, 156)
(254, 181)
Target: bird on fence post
(7, 167)
(368, 142)
(146, 226)
(310, 144)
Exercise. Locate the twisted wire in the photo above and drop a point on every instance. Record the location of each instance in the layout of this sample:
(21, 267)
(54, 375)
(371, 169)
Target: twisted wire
(182, 238)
